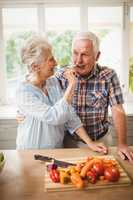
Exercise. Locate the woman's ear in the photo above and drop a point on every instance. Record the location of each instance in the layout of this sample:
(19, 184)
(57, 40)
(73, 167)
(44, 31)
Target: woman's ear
(35, 68)
(98, 55)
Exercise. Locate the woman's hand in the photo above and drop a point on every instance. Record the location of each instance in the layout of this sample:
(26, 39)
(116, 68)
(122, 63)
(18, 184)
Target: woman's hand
(69, 74)
(94, 146)
(20, 118)
(98, 146)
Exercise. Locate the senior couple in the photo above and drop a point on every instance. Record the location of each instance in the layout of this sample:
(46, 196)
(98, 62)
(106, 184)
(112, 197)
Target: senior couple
(72, 100)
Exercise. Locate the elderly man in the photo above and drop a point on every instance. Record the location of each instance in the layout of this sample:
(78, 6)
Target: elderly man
(97, 88)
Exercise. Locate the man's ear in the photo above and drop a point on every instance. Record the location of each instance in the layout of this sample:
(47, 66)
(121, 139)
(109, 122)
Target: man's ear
(98, 55)
(35, 68)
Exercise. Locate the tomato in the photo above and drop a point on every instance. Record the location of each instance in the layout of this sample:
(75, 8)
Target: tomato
(112, 174)
(98, 168)
(92, 177)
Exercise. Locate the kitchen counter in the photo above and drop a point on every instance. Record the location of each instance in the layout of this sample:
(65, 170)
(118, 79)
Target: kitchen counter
(22, 177)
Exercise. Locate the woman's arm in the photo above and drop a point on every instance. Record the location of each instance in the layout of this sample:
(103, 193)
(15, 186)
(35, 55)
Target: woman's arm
(30, 104)
(74, 125)
(94, 146)
(69, 74)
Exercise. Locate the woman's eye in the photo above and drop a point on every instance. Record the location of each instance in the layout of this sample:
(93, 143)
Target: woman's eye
(51, 59)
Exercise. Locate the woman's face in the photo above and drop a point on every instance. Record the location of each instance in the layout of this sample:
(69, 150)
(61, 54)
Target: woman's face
(47, 66)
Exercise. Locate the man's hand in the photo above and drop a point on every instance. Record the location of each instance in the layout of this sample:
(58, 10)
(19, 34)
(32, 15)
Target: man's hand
(20, 118)
(125, 152)
(99, 147)
(119, 119)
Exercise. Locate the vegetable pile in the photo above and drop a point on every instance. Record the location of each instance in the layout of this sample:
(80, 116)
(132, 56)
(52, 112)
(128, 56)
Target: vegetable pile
(92, 170)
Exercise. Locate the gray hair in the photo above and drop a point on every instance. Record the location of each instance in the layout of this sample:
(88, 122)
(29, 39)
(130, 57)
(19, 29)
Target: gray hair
(35, 50)
(88, 36)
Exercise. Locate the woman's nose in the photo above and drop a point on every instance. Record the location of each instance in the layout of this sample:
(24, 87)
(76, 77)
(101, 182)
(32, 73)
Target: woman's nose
(55, 62)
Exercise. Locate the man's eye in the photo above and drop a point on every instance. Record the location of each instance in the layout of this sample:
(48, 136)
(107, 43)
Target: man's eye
(85, 54)
(75, 53)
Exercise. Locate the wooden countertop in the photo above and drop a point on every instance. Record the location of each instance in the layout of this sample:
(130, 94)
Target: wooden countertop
(23, 178)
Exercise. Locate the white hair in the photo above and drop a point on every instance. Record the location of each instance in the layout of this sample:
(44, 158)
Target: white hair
(88, 36)
(35, 50)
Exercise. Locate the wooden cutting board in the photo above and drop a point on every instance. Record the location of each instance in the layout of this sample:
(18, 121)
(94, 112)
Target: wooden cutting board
(124, 179)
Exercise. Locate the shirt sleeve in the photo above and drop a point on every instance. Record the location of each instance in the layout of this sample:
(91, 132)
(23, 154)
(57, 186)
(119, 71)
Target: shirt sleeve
(73, 123)
(59, 75)
(29, 104)
(115, 92)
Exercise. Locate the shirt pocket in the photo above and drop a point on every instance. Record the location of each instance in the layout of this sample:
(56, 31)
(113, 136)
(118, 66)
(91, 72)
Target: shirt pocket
(97, 99)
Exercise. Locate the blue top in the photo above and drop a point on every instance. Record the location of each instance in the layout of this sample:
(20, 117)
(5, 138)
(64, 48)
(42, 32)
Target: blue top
(46, 117)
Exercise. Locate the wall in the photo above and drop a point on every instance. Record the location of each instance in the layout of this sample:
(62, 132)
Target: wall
(8, 131)
(130, 131)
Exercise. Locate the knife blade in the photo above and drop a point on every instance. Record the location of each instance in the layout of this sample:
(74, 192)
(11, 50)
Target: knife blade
(59, 163)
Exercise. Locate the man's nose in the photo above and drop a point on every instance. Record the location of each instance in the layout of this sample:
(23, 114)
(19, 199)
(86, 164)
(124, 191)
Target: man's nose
(79, 59)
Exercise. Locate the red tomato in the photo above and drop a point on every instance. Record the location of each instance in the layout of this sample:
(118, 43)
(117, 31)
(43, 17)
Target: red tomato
(112, 174)
(98, 168)
(92, 177)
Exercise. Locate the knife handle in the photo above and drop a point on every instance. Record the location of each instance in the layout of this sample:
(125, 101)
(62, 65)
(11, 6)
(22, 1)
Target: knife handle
(42, 158)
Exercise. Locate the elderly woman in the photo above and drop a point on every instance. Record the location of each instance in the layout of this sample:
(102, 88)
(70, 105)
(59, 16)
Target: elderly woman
(46, 107)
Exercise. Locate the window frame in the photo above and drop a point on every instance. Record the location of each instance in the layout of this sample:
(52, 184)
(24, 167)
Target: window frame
(83, 4)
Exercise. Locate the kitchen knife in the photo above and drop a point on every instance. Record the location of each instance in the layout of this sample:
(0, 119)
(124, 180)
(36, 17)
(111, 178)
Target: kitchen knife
(59, 163)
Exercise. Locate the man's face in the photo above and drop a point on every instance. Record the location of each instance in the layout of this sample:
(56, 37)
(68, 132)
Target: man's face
(83, 56)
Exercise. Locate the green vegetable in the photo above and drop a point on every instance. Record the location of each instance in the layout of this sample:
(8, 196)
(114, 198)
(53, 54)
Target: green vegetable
(2, 161)
(1, 157)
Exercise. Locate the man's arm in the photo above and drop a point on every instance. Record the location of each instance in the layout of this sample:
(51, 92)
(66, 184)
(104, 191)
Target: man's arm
(120, 124)
(119, 119)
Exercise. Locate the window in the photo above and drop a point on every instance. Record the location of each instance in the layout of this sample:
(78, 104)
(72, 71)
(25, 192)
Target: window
(131, 51)
(109, 31)
(111, 21)
(61, 24)
(18, 25)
